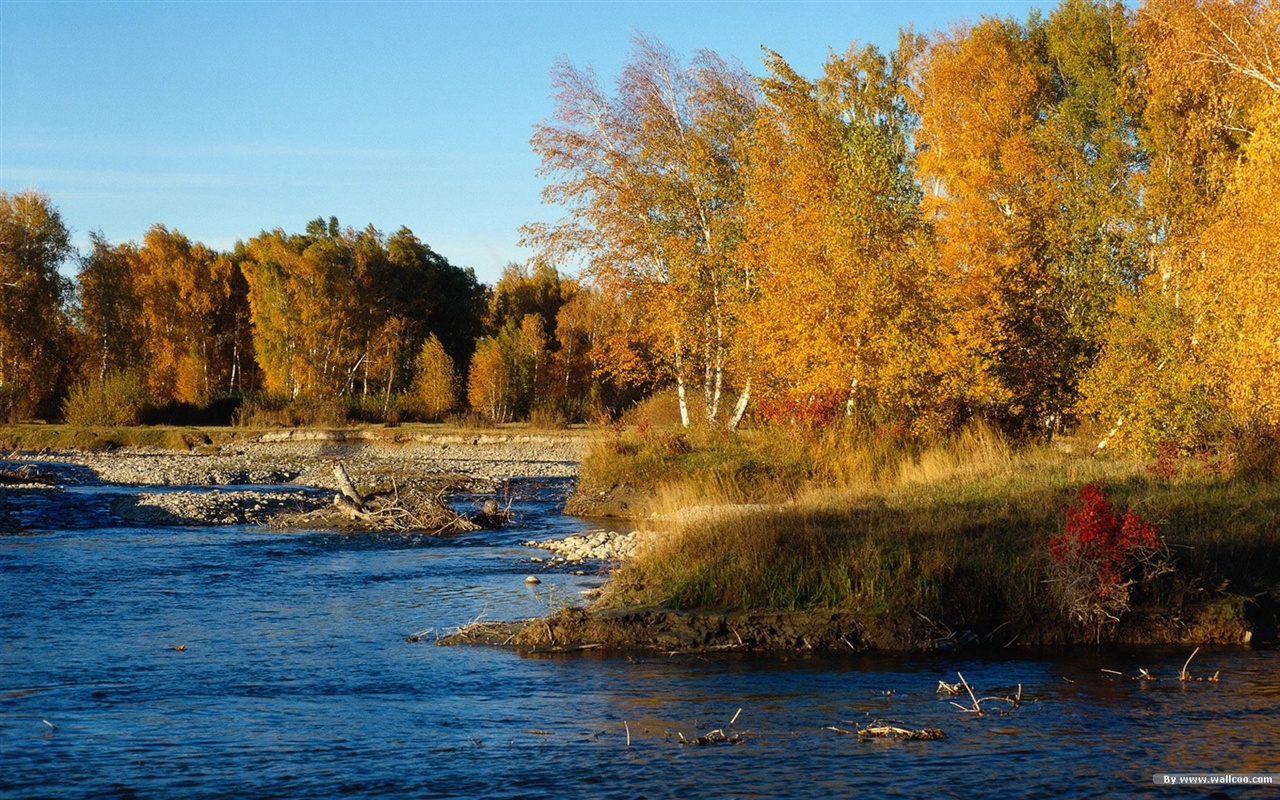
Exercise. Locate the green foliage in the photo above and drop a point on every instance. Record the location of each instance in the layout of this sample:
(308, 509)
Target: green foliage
(1152, 380)
(120, 398)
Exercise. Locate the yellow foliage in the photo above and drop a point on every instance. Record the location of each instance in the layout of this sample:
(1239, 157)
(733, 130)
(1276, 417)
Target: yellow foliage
(1241, 277)
(436, 386)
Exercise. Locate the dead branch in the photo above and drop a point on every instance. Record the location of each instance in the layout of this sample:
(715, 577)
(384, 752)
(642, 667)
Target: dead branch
(345, 486)
(26, 474)
(718, 736)
(977, 709)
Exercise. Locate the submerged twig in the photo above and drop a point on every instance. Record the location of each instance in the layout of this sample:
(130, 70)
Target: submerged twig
(977, 708)
(1183, 675)
(718, 736)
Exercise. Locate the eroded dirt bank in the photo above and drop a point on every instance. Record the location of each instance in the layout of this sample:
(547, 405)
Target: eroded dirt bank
(780, 632)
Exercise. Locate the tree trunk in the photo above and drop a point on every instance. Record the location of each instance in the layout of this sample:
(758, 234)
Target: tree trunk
(848, 406)
(684, 405)
(1106, 439)
(347, 488)
(740, 408)
(717, 382)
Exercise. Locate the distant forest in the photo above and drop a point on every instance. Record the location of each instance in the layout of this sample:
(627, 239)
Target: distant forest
(1035, 222)
(326, 325)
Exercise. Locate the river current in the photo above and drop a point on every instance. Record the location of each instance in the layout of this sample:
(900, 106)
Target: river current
(240, 662)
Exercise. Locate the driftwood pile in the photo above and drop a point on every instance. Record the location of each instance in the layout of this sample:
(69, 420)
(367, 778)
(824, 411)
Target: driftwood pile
(26, 475)
(414, 509)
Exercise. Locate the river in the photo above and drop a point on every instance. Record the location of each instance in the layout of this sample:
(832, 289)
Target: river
(238, 662)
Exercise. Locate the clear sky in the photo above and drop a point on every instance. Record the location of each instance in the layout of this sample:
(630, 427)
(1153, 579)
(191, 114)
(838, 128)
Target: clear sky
(222, 119)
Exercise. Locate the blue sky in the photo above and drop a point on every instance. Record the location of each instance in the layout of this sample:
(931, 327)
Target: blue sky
(224, 119)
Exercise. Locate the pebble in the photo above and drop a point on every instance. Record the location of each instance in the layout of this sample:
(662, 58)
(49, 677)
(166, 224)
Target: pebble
(309, 462)
(215, 507)
(531, 579)
(597, 545)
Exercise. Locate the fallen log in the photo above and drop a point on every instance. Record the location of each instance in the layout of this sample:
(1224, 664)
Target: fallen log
(347, 488)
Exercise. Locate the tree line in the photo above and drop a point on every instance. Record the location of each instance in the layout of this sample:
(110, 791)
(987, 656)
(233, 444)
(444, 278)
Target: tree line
(354, 322)
(1028, 221)
(1032, 222)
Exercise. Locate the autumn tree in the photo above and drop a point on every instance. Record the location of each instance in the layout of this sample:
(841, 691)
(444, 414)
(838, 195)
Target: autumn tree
(1207, 94)
(651, 177)
(522, 289)
(435, 386)
(34, 329)
(1027, 158)
(109, 309)
(409, 293)
(1154, 384)
(1213, 92)
(187, 297)
(489, 381)
(844, 310)
(434, 296)
(310, 327)
(340, 313)
(574, 368)
(1241, 278)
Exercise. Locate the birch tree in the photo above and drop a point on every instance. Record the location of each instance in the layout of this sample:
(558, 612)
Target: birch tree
(651, 180)
(843, 308)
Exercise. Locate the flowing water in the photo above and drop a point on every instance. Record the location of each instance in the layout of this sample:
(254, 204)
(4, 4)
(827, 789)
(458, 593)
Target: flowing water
(296, 680)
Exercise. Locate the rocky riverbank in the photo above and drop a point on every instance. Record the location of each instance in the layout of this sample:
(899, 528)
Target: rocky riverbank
(305, 458)
(595, 545)
(300, 464)
(214, 507)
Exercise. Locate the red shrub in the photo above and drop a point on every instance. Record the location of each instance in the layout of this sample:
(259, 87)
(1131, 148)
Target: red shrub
(1101, 554)
(816, 410)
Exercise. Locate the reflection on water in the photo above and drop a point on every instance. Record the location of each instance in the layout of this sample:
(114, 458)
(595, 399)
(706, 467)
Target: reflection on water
(296, 680)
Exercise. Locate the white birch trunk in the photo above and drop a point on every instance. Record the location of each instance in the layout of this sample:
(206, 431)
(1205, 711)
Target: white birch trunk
(740, 408)
(707, 360)
(680, 393)
(713, 406)
(1111, 433)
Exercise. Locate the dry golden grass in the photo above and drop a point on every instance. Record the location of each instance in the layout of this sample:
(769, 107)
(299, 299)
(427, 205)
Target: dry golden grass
(956, 531)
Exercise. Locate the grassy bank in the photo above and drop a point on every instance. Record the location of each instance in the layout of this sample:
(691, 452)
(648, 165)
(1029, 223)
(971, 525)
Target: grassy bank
(38, 437)
(956, 533)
